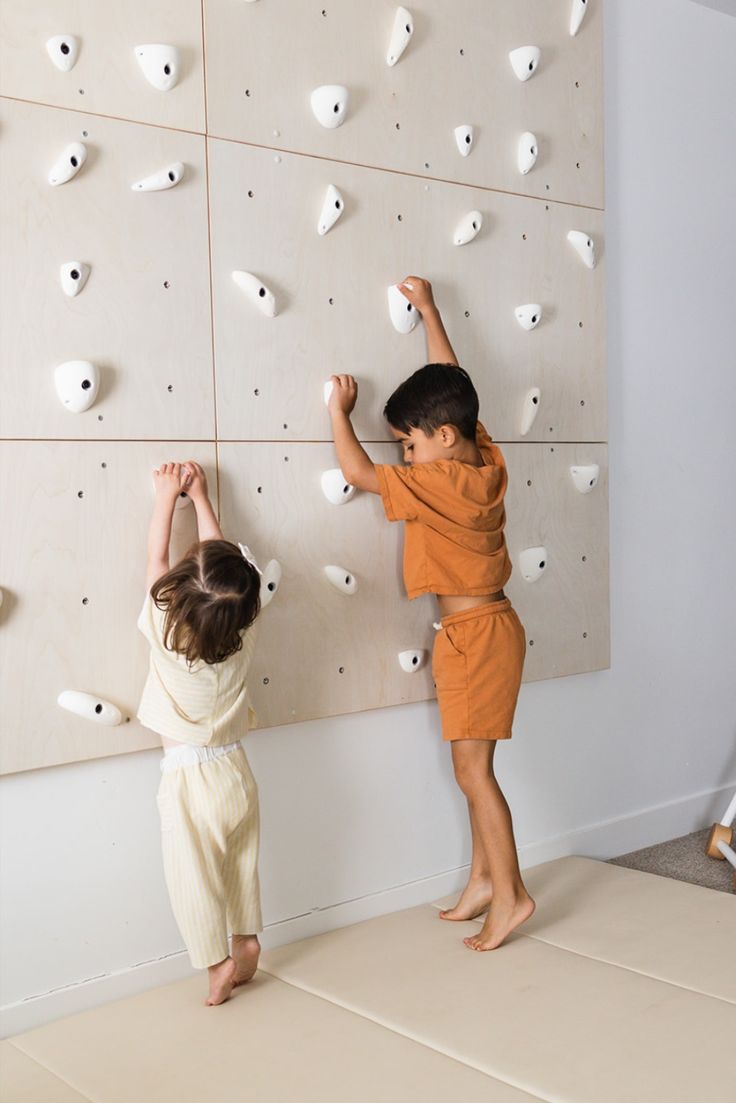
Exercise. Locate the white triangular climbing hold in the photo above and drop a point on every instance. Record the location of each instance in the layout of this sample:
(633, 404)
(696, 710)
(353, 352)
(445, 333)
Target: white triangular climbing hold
(585, 477)
(165, 178)
(63, 49)
(270, 581)
(90, 708)
(529, 410)
(412, 660)
(464, 136)
(335, 487)
(77, 383)
(68, 164)
(584, 246)
(532, 563)
(577, 15)
(73, 276)
(527, 152)
(159, 64)
(403, 315)
(332, 208)
(327, 391)
(525, 60)
(401, 34)
(468, 227)
(330, 104)
(529, 315)
(257, 292)
(342, 580)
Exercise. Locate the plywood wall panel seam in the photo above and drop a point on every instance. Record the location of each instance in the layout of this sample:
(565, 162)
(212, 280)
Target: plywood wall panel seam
(102, 115)
(485, 189)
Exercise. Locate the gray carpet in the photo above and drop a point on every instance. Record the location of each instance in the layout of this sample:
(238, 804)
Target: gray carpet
(683, 859)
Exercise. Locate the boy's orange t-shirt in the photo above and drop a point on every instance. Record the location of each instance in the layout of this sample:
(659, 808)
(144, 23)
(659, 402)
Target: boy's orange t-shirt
(455, 517)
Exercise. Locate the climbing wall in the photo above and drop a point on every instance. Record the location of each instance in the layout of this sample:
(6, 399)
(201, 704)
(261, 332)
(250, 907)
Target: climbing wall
(185, 364)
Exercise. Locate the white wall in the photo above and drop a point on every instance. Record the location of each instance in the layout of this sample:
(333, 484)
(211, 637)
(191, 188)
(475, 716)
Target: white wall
(362, 809)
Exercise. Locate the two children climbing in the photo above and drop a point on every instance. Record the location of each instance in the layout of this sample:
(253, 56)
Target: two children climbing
(199, 618)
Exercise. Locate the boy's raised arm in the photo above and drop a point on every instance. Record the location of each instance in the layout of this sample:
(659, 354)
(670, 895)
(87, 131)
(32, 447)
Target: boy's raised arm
(419, 293)
(355, 463)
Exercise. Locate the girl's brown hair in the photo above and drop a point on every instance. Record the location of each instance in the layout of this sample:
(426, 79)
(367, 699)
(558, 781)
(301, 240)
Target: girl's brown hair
(209, 598)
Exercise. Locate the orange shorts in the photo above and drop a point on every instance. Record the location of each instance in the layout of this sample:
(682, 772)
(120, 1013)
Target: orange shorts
(477, 664)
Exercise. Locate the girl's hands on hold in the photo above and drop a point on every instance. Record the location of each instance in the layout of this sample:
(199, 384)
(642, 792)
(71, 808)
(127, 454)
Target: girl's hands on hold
(169, 480)
(418, 291)
(344, 394)
(197, 485)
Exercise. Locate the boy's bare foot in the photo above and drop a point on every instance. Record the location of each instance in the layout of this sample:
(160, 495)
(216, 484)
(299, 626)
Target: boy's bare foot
(502, 919)
(246, 951)
(475, 899)
(222, 982)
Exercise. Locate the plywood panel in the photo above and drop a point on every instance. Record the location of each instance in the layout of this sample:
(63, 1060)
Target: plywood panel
(106, 79)
(321, 653)
(263, 60)
(331, 294)
(152, 342)
(73, 579)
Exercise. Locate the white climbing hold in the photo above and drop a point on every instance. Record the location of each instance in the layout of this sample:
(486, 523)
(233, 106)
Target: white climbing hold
(342, 580)
(525, 60)
(257, 292)
(468, 227)
(77, 383)
(584, 246)
(532, 563)
(412, 660)
(90, 708)
(327, 391)
(401, 34)
(63, 49)
(330, 104)
(530, 410)
(464, 136)
(577, 15)
(182, 499)
(585, 477)
(159, 64)
(403, 315)
(332, 208)
(73, 275)
(165, 178)
(68, 164)
(529, 315)
(527, 152)
(335, 487)
(270, 581)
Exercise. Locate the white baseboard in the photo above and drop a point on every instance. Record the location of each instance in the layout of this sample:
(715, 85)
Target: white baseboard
(601, 840)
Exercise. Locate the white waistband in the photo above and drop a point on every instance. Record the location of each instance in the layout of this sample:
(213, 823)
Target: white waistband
(189, 755)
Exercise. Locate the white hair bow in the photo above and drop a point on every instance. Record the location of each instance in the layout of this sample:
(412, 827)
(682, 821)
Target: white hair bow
(248, 556)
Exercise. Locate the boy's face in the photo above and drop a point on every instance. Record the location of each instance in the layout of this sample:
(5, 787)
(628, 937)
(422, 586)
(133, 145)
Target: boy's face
(419, 448)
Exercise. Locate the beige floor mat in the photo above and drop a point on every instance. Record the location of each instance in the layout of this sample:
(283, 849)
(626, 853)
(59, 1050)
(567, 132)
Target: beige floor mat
(556, 1024)
(667, 929)
(271, 1043)
(23, 1080)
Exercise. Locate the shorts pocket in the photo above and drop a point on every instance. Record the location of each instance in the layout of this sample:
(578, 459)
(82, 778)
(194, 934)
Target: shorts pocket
(449, 661)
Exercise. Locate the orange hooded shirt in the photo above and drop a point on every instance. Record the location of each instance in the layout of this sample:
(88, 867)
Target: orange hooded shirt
(455, 517)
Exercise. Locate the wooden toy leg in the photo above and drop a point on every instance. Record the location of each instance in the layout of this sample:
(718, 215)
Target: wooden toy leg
(718, 833)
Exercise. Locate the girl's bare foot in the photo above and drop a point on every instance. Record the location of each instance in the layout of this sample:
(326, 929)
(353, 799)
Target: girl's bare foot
(475, 899)
(246, 951)
(222, 982)
(502, 919)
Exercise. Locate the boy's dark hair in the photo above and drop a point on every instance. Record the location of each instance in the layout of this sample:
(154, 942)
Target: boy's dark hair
(209, 598)
(437, 394)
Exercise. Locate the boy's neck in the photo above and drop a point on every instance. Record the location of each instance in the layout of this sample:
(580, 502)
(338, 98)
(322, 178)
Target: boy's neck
(467, 451)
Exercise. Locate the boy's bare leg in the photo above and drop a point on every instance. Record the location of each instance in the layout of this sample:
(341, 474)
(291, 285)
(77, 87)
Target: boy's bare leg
(476, 896)
(246, 950)
(512, 904)
(222, 981)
